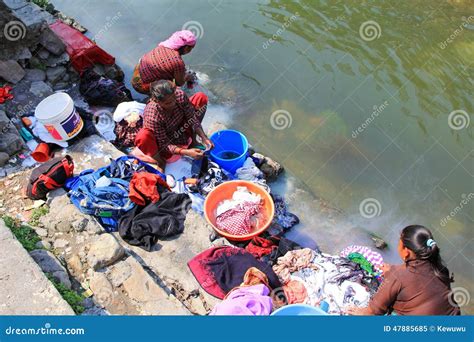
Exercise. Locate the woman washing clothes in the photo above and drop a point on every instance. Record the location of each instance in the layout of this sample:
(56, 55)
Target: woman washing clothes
(171, 123)
(421, 286)
(164, 62)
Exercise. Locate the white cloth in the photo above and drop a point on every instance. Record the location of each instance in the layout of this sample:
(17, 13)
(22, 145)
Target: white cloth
(42, 133)
(124, 109)
(240, 196)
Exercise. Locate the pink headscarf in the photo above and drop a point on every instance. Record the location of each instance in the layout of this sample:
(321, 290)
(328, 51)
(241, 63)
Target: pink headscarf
(179, 39)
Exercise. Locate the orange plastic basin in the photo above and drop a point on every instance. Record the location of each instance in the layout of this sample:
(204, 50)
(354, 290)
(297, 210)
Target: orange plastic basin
(225, 191)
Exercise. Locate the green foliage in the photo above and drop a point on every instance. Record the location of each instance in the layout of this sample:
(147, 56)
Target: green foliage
(70, 296)
(24, 234)
(41, 3)
(37, 213)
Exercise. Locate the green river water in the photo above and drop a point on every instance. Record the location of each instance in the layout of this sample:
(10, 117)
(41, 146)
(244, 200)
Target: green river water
(367, 104)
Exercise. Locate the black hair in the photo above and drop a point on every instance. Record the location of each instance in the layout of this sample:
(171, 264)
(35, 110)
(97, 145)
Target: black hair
(181, 49)
(160, 89)
(415, 238)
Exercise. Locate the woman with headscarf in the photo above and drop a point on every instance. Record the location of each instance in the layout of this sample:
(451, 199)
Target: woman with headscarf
(164, 62)
(171, 122)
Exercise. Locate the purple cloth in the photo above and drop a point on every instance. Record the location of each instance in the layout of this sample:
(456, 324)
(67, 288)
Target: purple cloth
(247, 301)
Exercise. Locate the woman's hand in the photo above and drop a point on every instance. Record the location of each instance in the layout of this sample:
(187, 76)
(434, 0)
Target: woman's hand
(194, 153)
(208, 143)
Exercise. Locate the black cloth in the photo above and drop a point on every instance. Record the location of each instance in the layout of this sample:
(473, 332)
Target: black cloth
(143, 226)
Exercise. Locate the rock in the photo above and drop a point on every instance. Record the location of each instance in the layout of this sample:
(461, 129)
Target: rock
(43, 245)
(75, 265)
(61, 86)
(4, 121)
(119, 272)
(93, 228)
(60, 243)
(63, 226)
(55, 74)
(43, 53)
(102, 289)
(35, 75)
(49, 264)
(4, 157)
(10, 143)
(104, 251)
(88, 303)
(41, 231)
(95, 311)
(66, 78)
(52, 42)
(58, 60)
(71, 22)
(80, 225)
(15, 4)
(378, 242)
(33, 17)
(24, 53)
(40, 89)
(258, 159)
(11, 71)
(271, 169)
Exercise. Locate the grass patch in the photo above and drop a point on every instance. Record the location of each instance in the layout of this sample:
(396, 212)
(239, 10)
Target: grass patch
(41, 3)
(37, 213)
(25, 234)
(70, 296)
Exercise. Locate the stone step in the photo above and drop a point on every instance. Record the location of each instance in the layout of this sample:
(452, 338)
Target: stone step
(24, 288)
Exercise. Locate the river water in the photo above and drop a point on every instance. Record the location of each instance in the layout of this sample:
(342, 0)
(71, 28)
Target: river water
(367, 104)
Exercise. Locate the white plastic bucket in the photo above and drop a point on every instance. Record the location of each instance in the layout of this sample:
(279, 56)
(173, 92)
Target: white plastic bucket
(58, 115)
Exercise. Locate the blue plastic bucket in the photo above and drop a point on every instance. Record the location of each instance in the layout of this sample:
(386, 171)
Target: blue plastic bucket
(299, 310)
(230, 149)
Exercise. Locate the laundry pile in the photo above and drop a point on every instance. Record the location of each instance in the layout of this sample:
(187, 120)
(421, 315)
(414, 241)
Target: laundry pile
(132, 197)
(310, 277)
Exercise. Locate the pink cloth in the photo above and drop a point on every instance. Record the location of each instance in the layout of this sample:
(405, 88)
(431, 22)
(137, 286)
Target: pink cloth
(245, 300)
(375, 258)
(179, 39)
(238, 221)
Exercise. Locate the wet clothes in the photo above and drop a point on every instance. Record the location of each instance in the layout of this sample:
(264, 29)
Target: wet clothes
(413, 289)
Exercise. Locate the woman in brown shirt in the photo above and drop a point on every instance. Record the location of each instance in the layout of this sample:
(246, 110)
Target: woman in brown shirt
(419, 287)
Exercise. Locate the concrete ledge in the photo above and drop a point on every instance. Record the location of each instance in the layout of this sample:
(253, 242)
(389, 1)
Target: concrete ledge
(24, 289)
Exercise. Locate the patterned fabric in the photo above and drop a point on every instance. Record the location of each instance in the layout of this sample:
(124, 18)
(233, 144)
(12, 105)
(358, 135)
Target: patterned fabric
(173, 128)
(374, 258)
(137, 83)
(161, 63)
(238, 221)
(126, 133)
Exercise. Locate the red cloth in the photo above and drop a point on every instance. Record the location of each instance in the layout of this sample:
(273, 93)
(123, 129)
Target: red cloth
(82, 51)
(238, 221)
(5, 94)
(144, 188)
(260, 247)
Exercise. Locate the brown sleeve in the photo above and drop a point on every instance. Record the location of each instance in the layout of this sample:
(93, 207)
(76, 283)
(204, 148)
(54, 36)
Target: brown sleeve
(387, 293)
